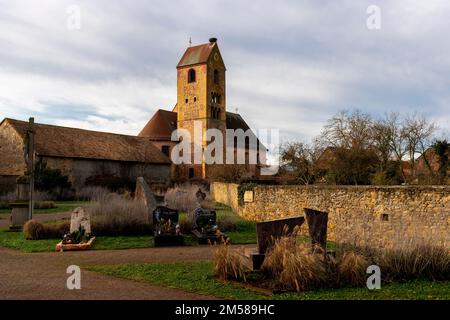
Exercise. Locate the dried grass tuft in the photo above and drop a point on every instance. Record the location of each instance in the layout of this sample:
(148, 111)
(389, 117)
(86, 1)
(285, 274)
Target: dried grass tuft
(34, 230)
(294, 266)
(229, 264)
(114, 215)
(184, 198)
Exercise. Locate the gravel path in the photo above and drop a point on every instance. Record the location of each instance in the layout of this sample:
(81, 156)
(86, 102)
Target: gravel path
(43, 275)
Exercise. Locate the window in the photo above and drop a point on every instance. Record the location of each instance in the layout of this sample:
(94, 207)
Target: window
(216, 76)
(191, 75)
(187, 100)
(191, 173)
(215, 98)
(166, 150)
(195, 99)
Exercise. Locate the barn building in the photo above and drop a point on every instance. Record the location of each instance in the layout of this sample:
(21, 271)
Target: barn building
(82, 155)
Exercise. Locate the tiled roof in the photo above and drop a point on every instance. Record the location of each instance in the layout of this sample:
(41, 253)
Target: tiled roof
(163, 123)
(160, 126)
(196, 55)
(67, 142)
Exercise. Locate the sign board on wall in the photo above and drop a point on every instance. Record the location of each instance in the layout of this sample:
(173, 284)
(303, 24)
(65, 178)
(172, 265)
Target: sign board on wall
(248, 196)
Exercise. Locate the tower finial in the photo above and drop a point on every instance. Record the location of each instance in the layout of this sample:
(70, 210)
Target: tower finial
(190, 42)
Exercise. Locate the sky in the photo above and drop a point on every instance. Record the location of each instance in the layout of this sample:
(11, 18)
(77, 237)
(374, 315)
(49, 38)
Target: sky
(291, 65)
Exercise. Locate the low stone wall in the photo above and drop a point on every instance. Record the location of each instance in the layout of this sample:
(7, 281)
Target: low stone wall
(373, 216)
(226, 193)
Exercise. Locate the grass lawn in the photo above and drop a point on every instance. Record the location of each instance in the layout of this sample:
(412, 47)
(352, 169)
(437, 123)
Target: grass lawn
(246, 233)
(16, 240)
(61, 206)
(198, 277)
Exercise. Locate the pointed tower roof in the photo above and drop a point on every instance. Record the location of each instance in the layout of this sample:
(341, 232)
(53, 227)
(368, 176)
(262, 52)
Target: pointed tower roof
(197, 54)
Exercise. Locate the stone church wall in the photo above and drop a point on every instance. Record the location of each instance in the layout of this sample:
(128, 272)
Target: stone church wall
(373, 216)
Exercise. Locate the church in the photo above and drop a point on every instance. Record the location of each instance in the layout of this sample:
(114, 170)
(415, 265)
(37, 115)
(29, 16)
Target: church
(88, 156)
(201, 97)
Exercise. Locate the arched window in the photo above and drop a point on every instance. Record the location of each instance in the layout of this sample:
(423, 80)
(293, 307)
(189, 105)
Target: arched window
(191, 75)
(216, 76)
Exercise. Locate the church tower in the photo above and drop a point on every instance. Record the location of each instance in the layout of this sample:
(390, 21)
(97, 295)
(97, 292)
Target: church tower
(201, 96)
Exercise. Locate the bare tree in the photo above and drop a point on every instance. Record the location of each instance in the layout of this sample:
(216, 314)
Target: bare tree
(350, 130)
(301, 159)
(391, 128)
(418, 133)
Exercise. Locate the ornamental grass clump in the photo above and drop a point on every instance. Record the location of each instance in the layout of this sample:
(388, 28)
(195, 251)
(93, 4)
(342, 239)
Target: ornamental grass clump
(351, 268)
(294, 267)
(34, 230)
(415, 262)
(114, 215)
(228, 263)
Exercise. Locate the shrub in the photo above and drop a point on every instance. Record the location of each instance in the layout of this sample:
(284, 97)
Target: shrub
(294, 267)
(44, 205)
(50, 180)
(351, 269)
(416, 262)
(112, 215)
(226, 224)
(229, 264)
(34, 230)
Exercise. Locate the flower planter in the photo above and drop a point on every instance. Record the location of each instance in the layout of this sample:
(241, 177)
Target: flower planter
(60, 247)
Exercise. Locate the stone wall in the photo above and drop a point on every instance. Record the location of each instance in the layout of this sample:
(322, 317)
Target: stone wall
(226, 193)
(374, 216)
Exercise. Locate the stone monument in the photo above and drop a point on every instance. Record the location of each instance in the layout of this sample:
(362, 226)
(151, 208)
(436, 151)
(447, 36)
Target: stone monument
(146, 196)
(20, 208)
(80, 218)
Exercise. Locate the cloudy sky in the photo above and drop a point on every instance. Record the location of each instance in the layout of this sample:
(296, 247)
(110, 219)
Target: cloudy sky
(291, 64)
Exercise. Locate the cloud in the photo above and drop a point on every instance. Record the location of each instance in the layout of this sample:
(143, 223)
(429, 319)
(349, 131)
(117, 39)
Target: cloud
(290, 65)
